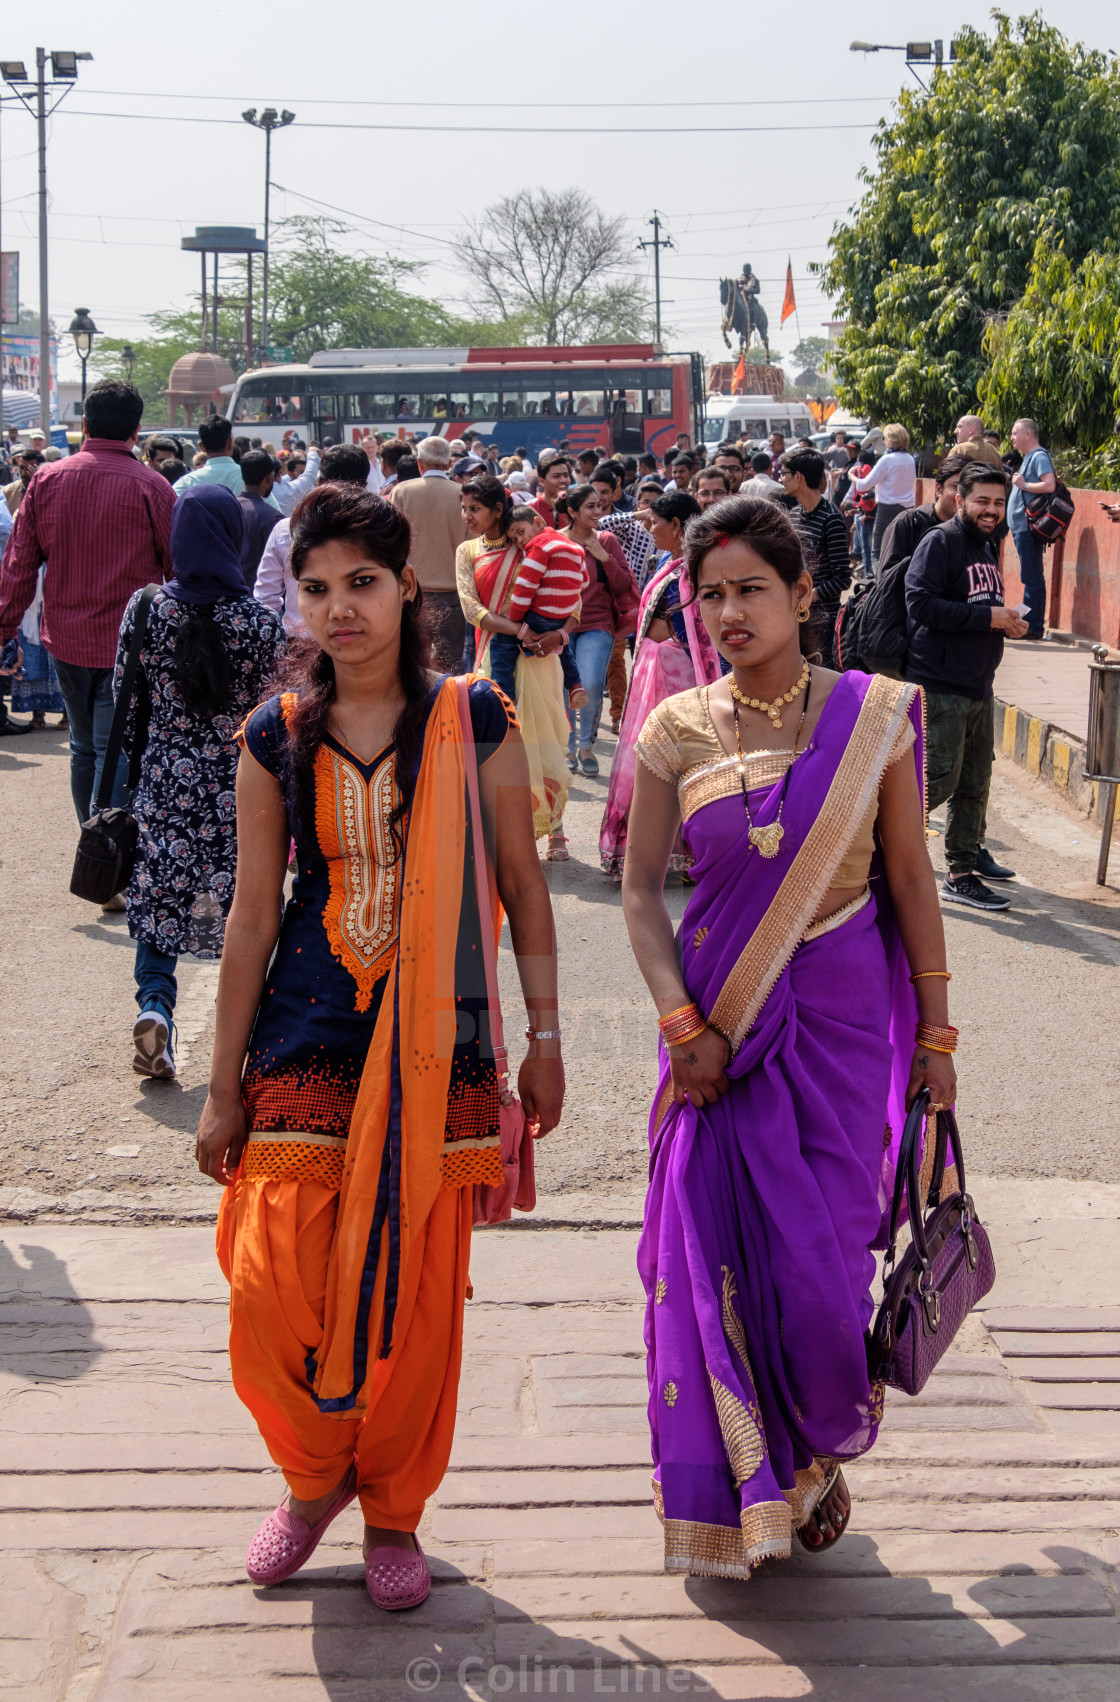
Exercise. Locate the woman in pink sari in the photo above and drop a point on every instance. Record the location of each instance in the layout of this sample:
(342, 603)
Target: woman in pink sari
(672, 653)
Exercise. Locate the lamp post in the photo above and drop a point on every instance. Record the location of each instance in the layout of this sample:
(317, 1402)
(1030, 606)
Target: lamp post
(83, 331)
(33, 94)
(268, 121)
(917, 53)
(128, 360)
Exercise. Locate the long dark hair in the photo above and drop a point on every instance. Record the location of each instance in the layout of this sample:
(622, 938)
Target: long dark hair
(769, 531)
(491, 493)
(351, 514)
(200, 663)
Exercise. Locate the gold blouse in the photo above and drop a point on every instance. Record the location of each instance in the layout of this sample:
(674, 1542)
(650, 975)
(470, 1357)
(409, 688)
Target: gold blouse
(680, 745)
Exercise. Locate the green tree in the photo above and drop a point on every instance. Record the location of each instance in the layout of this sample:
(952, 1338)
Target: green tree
(815, 352)
(1018, 140)
(558, 263)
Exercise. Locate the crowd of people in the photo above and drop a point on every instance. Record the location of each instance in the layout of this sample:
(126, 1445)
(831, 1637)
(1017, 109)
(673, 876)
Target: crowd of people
(348, 658)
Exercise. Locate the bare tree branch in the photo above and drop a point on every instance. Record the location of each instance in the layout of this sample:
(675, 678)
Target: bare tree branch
(537, 252)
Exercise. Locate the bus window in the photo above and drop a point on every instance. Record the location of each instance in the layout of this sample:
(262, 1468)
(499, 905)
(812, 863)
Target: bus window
(325, 406)
(526, 404)
(408, 407)
(458, 405)
(372, 405)
(257, 404)
(659, 402)
(631, 400)
(484, 404)
(580, 402)
(781, 424)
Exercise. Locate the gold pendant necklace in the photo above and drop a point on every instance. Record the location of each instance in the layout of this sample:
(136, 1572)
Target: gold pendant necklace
(774, 709)
(767, 840)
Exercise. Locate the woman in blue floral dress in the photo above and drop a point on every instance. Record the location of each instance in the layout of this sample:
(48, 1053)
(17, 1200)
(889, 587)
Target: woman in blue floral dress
(208, 651)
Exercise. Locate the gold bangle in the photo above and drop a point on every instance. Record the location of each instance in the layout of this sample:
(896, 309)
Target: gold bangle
(683, 1039)
(928, 1046)
(923, 974)
(683, 1010)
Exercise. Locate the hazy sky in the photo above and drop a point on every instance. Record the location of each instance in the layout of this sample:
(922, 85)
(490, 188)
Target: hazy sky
(745, 127)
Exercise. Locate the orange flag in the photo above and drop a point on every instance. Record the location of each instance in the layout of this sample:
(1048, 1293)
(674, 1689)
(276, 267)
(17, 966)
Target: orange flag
(739, 376)
(789, 304)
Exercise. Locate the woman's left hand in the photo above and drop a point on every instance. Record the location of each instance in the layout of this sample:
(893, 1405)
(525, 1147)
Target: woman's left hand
(936, 1071)
(540, 1086)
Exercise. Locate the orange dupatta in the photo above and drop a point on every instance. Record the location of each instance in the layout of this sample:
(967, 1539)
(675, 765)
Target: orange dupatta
(366, 1261)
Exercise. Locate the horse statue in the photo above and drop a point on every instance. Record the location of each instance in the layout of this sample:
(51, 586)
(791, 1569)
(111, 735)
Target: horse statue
(743, 313)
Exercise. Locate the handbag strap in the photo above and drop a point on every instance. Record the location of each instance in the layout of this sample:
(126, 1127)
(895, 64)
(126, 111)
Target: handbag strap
(906, 1148)
(482, 885)
(124, 701)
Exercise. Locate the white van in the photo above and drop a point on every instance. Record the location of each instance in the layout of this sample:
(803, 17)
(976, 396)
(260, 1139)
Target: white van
(727, 418)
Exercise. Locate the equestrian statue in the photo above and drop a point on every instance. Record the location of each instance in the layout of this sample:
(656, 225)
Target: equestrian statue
(743, 313)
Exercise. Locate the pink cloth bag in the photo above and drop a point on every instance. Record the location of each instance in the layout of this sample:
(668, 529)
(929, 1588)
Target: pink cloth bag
(494, 1202)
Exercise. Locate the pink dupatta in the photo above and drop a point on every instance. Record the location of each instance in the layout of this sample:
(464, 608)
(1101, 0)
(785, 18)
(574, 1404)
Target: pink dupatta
(661, 669)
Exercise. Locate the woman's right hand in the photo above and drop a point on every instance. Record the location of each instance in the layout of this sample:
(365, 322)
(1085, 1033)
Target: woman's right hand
(595, 548)
(699, 1069)
(222, 1134)
(551, 643)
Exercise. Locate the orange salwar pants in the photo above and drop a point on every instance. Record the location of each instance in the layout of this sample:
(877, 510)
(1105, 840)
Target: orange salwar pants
(274, 1243)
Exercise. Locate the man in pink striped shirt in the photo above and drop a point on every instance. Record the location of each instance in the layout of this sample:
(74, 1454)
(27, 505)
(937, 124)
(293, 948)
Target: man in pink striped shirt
(102, 523)
(545, 598)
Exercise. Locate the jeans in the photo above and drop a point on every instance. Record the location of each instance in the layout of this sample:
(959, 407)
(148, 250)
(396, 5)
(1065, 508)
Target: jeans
(155, 978)
(593, 652)
(960, 749)
(861, 540)
(505, 649)
(88, 696)
(1033, 576)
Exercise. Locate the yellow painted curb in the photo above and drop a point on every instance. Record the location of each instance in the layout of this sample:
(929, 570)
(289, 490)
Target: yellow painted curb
(1034, 745)
(1010, 714)
(1061, 761)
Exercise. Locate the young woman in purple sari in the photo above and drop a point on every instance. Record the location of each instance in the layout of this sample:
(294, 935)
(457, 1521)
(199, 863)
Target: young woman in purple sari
(787, 1002)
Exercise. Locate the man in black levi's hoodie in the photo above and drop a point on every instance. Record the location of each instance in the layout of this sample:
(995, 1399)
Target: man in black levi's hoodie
(956, 624)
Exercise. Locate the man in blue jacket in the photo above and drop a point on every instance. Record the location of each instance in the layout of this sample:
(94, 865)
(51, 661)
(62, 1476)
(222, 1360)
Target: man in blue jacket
(956, 624)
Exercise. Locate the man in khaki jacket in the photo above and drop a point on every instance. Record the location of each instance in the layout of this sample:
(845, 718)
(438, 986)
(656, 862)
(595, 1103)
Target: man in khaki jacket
(431, 506)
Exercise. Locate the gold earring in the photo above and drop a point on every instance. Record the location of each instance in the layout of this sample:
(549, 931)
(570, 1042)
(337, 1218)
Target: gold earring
(803, 612)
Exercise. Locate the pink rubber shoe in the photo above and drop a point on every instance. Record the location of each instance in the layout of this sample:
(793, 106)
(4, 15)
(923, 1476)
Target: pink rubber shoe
(395, 1579)
(285, 1542)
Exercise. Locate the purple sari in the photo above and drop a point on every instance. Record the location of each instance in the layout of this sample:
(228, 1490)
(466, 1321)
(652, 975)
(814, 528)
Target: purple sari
(763, 1209)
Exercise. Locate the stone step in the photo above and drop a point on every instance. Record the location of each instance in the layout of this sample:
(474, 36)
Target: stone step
(778, 1597)
(854, 1642)
(1084, 1397)
(1053, 1344)
(1075, 1370)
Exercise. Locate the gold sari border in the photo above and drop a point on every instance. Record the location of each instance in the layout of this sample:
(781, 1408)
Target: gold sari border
(818, 930)
(826, 844)
(722, 1551)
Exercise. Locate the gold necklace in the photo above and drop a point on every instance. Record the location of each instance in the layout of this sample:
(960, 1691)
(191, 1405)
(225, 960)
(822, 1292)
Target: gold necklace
(768, 839)
(774, 709)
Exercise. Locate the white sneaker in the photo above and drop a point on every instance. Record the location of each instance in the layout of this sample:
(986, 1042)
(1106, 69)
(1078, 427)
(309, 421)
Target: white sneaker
(151, 1040)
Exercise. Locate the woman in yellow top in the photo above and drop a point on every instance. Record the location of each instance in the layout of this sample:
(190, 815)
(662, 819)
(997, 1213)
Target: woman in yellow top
(486, 565)
(353, 1098)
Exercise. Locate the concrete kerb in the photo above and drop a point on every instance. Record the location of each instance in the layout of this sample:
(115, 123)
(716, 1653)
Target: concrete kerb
(1049, 753)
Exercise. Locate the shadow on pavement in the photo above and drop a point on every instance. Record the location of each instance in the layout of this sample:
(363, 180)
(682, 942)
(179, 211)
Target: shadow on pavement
(46, 1331)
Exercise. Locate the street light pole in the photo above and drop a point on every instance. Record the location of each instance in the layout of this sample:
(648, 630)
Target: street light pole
(44, 308)
(268, 121)
(83, 331)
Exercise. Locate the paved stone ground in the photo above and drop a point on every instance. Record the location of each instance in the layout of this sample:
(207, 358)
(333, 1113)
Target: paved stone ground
(981, 1561)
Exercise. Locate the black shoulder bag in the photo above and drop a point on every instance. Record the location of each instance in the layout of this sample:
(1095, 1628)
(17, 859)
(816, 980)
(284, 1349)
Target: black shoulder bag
(107, 845)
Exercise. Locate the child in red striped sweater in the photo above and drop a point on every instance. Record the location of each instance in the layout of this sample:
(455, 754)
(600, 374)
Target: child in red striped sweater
(544, 598)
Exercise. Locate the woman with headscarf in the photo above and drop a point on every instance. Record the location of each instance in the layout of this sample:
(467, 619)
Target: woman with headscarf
(208, 650)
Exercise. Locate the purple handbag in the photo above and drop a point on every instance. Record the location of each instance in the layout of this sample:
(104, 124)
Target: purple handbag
(944, 1272)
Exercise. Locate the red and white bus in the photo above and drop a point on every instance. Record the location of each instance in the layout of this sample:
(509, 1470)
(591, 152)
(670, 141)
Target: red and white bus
(623, 397)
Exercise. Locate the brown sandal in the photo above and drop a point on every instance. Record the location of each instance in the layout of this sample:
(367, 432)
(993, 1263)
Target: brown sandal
(839, 1526)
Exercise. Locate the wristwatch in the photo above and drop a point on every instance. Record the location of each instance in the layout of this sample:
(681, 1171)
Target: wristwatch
(542, 1034)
